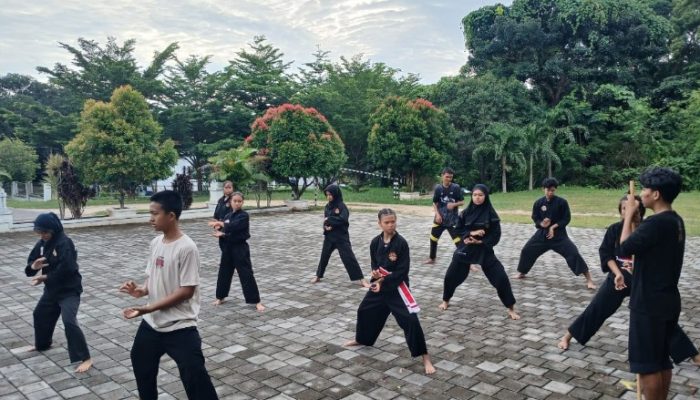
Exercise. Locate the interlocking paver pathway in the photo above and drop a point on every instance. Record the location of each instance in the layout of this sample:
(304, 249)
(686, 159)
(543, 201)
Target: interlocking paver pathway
(293, 350)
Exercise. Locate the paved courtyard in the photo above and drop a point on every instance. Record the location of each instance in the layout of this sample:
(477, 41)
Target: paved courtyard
(293, 350)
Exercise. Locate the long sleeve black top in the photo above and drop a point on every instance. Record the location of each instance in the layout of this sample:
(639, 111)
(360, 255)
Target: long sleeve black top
(337, 217)
(557, 210)
(62, 276)
(236, 227)
(394, 257)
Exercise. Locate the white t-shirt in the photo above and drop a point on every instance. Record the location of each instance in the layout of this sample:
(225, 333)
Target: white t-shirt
(170, 266)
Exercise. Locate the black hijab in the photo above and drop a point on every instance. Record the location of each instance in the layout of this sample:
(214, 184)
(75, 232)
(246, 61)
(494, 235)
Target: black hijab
(334, 190)
(480, 215)
(49, 222)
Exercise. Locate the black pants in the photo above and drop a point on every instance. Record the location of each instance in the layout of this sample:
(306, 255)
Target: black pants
(604, 304)
(435, 234)
(46, 314)
(458, 271)
(373, 313)
(539, 244)
(331, 243)
(237, 258)
(184, 346)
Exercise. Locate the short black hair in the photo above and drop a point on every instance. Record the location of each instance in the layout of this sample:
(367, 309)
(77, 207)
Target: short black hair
(447, 170)
(170, 201)
(667, 181)
(550, 182)
(640, 208)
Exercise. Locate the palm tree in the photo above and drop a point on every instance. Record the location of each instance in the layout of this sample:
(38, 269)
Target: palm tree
(505, 143)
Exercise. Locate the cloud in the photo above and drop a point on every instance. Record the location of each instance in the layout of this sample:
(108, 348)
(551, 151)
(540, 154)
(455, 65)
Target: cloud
(412, 35)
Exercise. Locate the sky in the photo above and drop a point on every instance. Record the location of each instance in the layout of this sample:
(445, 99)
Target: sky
(418, 36)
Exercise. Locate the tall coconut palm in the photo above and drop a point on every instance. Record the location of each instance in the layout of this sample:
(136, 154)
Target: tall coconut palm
(505, 143)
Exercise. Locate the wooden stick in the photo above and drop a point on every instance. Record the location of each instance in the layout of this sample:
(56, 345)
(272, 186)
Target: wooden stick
(632, 187)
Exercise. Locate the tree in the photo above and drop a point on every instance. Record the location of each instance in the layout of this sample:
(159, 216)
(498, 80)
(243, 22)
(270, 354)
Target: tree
(258, 78)
(120, 143)
(195, 116)
(243, 166)
(71, 192)
(347, 93)
(506, 145)
(559, 45)
(100, 70)
(31, 111)
(473, 104)
(183, 185)
(298, 144)
(18, 160)
(412, 137)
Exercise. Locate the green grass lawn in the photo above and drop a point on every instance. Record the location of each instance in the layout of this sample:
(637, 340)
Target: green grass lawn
(592, 208)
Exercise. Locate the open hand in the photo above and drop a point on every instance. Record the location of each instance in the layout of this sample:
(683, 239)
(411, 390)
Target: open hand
(550, 233)
(131, 288)
(619, 282)
(133, 312)
(39, 263)
(217, 234)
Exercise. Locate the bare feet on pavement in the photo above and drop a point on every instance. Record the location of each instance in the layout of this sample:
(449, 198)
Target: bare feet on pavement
(444, 305)
(84, 366)
(564, 341)
(429, 368)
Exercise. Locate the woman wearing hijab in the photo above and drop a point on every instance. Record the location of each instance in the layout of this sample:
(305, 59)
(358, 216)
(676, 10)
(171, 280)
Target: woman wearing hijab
(336, 236)
(55, 256)
(480, 228)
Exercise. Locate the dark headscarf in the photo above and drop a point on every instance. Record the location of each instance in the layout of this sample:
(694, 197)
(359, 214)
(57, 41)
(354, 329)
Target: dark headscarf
(334, 190)
(483, 214)
(48, 222)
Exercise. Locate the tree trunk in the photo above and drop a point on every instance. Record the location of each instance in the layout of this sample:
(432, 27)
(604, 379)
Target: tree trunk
(532, 159)
(294, 184)
(549, 167)
(122, 194)
(503, 175)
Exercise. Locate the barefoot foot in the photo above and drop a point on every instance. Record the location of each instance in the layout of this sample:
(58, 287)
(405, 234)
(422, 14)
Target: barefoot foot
(260, 307)
(351, 343)
(364, 283)
(696, 360)
(513, 315)
(590, 285)
(444, 305)
(564, 341)
(429, 261)
(315, 279)
(218, 302)
(84, 366)
(474, 267)
(519, 275)
(429, 368)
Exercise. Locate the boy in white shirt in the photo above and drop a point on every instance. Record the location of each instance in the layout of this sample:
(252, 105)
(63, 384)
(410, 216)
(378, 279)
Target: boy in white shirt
(169, 323)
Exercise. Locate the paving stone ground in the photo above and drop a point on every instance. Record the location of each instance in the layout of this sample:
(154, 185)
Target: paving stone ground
(293, 350)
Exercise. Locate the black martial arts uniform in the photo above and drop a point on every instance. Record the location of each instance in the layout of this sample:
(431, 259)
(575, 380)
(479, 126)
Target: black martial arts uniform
(658, 245)
(476, 217)
(608, 300)
(557, 210)
(62, 288)
(236, 257)
(375, 307)
(336, 236)
(441, 197)
(223, 207)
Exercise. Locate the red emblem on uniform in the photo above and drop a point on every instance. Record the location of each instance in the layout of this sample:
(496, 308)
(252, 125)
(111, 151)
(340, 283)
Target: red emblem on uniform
(160, 262)
(392, 256)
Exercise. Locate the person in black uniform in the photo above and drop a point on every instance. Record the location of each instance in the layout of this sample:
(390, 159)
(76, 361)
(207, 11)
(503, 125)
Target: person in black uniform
(615, 289)
(390, 293)
(336, 236)
(55, 256)
(447, 198)
(658, 245)
(235, 231)
(551, 214)
(223, 207)
(480, 227)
